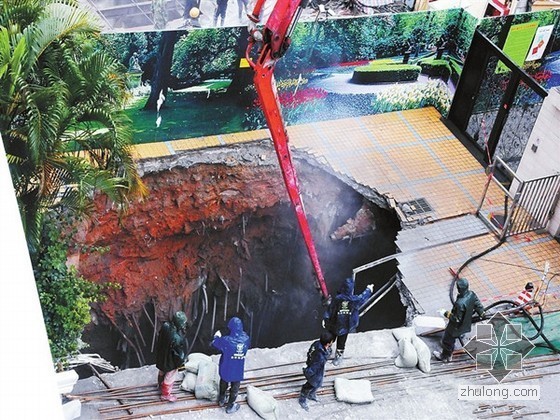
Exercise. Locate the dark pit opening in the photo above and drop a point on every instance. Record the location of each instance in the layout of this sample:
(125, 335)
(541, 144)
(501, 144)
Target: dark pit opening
(257, 252)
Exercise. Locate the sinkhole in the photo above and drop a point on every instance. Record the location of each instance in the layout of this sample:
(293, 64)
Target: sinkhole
(217, 237)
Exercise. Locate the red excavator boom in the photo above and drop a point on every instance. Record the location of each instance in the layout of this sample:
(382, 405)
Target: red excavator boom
(273, 40)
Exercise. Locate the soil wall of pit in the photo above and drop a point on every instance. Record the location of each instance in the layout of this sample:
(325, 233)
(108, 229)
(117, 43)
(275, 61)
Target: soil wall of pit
(217, 237)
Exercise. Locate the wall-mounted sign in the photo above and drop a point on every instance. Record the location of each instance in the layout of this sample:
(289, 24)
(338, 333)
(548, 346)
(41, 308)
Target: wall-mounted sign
(517, 44)
(540, 42)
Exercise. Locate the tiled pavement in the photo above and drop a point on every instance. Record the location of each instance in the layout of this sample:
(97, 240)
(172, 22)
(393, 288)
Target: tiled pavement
(411, 155)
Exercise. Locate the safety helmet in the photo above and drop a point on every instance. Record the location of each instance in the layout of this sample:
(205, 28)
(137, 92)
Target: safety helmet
(180, 320)
(194, 12)
(529, 286)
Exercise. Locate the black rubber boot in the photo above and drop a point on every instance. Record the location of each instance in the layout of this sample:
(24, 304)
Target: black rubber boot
(303, 402)
(232, 408)
(442, 356)
(338, 357)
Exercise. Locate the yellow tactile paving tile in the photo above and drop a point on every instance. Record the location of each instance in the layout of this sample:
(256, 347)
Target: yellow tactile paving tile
(426, 127)
(390, 134)
(415, 162)
(493, 268)
(474, 185)
(150, 150)
(445, 197)
(454, 156)
(377, 173)
(539, 253)
(196, 143)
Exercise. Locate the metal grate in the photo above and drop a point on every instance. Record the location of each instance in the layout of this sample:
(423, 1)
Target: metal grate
(414, 207)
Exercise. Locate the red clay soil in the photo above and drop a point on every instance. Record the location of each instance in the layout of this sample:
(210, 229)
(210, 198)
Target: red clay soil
(161, 250)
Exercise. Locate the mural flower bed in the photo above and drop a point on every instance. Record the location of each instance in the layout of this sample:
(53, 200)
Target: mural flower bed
(299, 105)
(434, 93)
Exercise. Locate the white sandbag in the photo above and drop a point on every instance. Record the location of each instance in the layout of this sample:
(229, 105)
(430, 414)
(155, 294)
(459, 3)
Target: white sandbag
(263, 403)
(407, 357)
(192, 366)
(355, 391)
(423, 353)
(194, 359)
(207, 381)
(189, 382)
(72, 410)
(403, 332)
(199, 356)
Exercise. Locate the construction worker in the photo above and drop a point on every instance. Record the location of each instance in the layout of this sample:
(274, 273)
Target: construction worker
(170, 353)
(460, 319)
(314, 369)
(526, 295)
(342, 316)
(234, 348)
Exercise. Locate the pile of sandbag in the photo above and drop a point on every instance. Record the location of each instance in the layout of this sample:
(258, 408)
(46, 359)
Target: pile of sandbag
(201, 377)
(412, 350)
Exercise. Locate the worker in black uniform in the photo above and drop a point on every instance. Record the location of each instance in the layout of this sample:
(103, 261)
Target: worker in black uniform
(460, 319)
(170, 353)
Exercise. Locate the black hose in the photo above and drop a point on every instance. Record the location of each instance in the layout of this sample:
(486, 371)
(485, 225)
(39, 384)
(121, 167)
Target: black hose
(467, 262)
(539, 329)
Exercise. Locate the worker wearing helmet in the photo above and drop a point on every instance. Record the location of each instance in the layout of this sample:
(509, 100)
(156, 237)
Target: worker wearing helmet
(170, 353)
(460, 319)
(234, 348)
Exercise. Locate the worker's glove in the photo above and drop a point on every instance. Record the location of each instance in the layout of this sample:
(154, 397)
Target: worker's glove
(218, 334)
(370, 287)
(442, 313)
(323, 323)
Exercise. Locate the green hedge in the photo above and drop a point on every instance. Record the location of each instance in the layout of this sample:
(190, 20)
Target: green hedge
(456, 69)
(436, 68)
(385, 72)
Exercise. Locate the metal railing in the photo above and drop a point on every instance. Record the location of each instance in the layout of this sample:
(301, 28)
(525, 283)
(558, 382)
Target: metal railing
(528, 205)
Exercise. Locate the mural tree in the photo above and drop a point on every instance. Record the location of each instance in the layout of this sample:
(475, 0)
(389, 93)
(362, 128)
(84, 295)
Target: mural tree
(162, 69)
(207, 54)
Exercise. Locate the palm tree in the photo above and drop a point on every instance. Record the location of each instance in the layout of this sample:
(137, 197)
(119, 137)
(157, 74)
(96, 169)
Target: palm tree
(61, 111)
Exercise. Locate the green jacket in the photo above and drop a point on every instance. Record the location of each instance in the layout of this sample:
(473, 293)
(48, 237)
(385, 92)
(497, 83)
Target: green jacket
(170, 349)
(461, 315)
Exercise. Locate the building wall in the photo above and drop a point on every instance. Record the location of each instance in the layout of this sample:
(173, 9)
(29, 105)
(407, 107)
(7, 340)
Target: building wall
(545, 138)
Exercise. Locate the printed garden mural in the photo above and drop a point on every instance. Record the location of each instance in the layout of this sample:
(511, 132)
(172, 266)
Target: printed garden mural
(334, 69)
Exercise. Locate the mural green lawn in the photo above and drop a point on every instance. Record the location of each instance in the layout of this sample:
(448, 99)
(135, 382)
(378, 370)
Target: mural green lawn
(202, 110)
